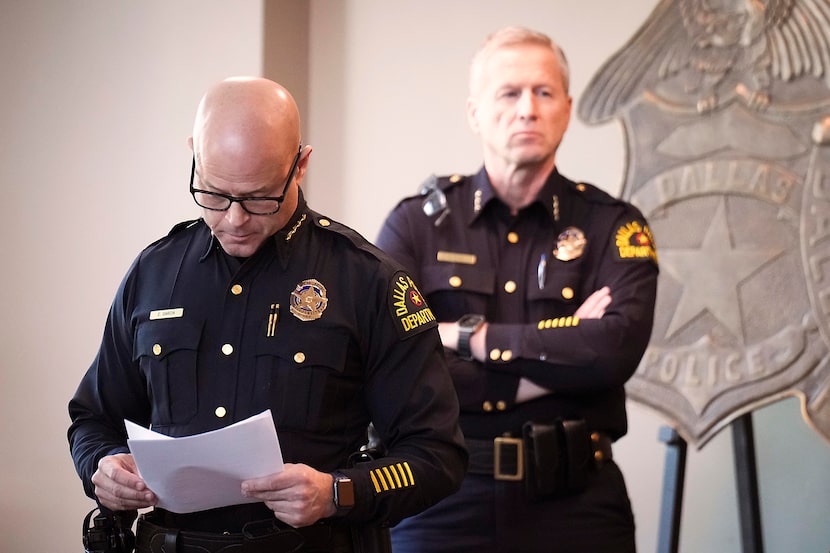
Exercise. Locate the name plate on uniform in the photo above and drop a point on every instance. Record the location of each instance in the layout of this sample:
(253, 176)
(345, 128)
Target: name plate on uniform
(456, 257)
(167, 313)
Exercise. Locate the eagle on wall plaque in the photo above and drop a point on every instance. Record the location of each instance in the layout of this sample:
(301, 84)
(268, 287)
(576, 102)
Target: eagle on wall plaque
(725, 106)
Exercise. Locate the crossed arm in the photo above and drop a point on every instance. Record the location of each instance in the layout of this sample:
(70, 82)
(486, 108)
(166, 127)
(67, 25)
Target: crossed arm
(592, 308)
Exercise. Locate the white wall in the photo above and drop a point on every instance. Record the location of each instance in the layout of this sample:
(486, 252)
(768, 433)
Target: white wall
(388, 86)
(96, 103)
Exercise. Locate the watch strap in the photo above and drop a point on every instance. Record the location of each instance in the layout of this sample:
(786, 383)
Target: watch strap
(463, 349)
(467, 326)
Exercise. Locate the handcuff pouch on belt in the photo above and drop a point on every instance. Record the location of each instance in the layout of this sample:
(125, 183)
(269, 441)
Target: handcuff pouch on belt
(557, 458)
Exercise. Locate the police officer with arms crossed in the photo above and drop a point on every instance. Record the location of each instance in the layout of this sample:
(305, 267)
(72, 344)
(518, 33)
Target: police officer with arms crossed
(264, 304)
(544, 289)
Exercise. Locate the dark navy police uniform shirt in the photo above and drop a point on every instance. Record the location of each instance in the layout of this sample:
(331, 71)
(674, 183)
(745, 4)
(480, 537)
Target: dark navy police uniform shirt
(319, 326)
(528, 274)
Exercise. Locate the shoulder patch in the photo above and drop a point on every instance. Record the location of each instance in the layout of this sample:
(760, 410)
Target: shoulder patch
(634, 242)
(408, 307)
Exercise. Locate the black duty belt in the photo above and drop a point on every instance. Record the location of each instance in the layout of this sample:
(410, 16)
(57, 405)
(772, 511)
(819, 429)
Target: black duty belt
(505, 457)
(267, 536)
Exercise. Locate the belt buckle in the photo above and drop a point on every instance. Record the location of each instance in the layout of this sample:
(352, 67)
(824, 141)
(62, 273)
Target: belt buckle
(498, 445)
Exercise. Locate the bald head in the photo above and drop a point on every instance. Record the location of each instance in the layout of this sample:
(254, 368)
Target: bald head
(250, 120)
(245, 144)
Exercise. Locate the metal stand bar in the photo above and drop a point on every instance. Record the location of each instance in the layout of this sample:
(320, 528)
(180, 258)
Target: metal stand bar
(674, 473)
(746, 476)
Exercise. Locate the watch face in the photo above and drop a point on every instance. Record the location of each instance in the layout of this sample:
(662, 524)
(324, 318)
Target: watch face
(471, 320)
(345, 493)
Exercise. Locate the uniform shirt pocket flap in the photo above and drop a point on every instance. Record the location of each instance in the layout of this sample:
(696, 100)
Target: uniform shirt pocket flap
(318, 347)
(160, 338)
(563, 286)
(456, 276)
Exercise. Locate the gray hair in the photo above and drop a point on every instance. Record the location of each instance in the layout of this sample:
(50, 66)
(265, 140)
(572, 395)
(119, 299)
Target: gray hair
(513, 36)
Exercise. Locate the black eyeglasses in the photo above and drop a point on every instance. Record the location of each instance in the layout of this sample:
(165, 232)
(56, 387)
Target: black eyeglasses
(255, 205)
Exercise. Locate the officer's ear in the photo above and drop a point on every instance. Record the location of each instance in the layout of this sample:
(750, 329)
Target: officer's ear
(472, 112)
(302, 163)
(190, 143)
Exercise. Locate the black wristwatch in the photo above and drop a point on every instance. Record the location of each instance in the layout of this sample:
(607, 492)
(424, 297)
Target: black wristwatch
(467, 326)
(343, 495)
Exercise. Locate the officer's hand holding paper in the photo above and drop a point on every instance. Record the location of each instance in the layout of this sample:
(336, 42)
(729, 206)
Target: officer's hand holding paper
(205, 471)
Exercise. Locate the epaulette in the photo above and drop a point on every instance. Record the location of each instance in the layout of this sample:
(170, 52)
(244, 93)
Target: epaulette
(181, 226)
(321, 221)
(432, 182)
(326, 223)
(594, 194)
(445, 182)
(434, 201)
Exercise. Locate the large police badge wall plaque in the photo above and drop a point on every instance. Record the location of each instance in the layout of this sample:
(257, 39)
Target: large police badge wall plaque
(726, 111)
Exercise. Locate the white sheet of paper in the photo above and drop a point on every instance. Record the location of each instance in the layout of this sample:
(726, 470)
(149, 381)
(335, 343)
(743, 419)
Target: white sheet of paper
(193, 473)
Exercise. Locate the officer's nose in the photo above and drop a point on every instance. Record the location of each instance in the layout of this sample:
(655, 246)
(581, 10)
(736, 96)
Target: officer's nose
(236, 215)
(526, 106)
